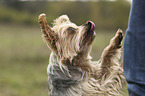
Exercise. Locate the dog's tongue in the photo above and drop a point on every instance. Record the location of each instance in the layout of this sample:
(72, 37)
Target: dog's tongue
(91, 24)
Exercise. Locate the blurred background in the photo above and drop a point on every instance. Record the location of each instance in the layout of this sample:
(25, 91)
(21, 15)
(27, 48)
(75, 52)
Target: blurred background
(23, 54)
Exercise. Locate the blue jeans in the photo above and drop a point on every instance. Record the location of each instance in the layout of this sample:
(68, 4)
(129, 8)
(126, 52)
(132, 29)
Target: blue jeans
(134, 50)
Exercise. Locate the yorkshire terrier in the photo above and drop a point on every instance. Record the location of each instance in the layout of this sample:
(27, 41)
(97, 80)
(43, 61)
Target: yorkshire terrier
(71, 71)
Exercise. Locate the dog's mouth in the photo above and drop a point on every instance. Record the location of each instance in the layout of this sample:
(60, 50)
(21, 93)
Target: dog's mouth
(91, 27)
(89, 34)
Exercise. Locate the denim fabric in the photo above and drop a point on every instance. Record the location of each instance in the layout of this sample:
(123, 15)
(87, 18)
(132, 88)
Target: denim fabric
(134, 50)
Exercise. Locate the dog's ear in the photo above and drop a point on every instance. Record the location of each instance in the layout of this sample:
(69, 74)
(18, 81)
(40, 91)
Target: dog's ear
(61, 19)
(49, 36)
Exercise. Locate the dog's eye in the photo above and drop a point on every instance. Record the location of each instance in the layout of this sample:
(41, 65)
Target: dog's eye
(70, 28)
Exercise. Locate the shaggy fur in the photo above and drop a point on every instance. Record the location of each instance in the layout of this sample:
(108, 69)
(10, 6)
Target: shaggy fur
(71, 71)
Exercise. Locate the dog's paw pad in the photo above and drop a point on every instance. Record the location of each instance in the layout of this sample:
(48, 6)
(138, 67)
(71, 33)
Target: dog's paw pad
(120, 36)
(117, 39)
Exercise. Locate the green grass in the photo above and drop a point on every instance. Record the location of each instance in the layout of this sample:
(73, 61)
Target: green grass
(24, 59)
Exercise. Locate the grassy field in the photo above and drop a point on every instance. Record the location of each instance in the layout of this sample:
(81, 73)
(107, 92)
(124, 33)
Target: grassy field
(24, 59)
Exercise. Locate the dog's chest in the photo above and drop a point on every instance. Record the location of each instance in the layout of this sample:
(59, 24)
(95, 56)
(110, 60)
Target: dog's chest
(61, 79)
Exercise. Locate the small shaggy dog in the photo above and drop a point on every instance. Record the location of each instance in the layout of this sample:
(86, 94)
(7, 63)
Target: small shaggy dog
(71, 71)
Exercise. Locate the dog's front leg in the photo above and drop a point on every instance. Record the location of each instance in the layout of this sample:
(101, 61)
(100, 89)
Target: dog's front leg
(111, 53)
(49, 36)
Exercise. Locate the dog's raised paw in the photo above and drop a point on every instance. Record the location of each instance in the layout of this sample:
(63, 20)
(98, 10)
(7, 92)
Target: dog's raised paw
(41, 18)
(120, 37)
(117, 39)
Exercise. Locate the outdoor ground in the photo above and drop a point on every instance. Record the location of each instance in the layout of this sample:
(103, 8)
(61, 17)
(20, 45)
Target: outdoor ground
(24, 59)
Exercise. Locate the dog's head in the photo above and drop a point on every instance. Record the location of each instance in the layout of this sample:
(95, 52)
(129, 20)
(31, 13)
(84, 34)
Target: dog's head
(71, 39)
